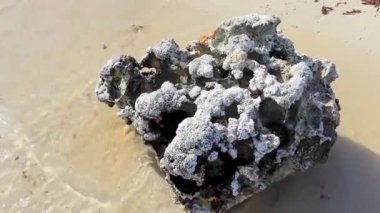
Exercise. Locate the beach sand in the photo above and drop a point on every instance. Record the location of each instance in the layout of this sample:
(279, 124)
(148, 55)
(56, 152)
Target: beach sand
(62, 151)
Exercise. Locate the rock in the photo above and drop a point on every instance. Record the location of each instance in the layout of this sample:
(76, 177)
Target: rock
(229, 115)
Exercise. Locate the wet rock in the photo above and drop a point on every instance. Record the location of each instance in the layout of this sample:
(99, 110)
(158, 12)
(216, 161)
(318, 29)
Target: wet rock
(229, 115)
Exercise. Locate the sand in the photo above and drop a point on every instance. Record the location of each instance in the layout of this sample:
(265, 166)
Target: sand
(62, 151)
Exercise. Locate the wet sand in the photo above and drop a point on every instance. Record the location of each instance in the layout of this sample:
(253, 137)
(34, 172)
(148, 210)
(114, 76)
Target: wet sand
(62, 151)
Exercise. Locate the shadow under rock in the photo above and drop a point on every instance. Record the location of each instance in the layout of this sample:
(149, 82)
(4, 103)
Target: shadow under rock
(348, 182)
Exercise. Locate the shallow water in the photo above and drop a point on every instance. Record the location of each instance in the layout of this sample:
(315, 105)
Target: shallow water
(62, 151)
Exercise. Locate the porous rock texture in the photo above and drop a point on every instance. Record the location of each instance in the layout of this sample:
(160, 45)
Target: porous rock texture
(230, 114)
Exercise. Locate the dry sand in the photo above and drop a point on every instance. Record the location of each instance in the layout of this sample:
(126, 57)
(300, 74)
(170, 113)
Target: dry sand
(62, 151)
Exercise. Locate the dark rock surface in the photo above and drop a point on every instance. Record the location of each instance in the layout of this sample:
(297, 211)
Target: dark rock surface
(228, 115)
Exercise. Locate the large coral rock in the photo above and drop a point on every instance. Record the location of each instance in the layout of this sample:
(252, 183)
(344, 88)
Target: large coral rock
(228, 115)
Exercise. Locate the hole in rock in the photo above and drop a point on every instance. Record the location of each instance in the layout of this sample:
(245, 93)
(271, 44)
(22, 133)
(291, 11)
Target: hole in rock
(247, 75)
(201, 81)
(170, 74)
(164, 72)
(276, 72)
(220, 120)
(185, 186)
(114, 90)
(267, 164)
(214, 171)
(278, 53)
(257, 57)
(134, 90)
(189, 107)
(168, 125)
(246, 185)
(270, 112)
(222, 73)
(159, 147)
(221, 170)
(151, 61)
(291, 117)
(232, 110)
(245, 152)
(170, 122)
(272, 117)
(280, 131)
